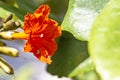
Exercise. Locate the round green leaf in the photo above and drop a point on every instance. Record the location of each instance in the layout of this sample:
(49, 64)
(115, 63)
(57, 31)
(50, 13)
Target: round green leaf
(104, 43)
(90, 75)
(70, 54)
(82, 68)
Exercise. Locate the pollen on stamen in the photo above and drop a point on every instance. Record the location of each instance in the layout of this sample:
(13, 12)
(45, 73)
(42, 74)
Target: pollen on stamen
(41, 35)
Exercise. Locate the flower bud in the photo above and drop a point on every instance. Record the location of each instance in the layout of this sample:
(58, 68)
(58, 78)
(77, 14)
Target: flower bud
(1, 22)
(8, 51)
(6, 35)
(8, 18)
(10, 25)
(6, 67)
(2, 43)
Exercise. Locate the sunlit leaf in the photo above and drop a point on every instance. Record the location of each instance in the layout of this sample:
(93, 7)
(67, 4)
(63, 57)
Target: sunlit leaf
(80, 16)
(104, 43)
(90, 75)
(82, 68)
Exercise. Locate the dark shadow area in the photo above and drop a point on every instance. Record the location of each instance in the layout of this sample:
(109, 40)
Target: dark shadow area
(71, 52)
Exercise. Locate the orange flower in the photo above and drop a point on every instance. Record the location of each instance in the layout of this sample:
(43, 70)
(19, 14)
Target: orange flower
(40, 32)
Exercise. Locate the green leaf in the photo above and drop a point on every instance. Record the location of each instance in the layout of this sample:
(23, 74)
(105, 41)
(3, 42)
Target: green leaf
(57, 10)
(104, 43)
(70, 54)
(7, 9)
(19, 9)
(82, 68)
(90, 75)
(26, 6)
(85, 71)
(80, 17)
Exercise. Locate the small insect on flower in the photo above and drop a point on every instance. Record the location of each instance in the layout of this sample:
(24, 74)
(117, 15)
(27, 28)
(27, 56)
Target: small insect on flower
(40, 32)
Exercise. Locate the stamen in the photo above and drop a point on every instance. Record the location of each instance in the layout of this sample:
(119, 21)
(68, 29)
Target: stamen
(41, 35)
(38, 51)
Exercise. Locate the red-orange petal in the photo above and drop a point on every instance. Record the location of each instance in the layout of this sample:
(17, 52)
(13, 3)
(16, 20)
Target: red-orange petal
(42, 11)
(33, 22)
(42, 32)
(28, 47)
(44, 59)
(51, 29)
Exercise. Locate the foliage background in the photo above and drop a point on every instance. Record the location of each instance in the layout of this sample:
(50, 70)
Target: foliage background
(89, 46)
